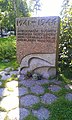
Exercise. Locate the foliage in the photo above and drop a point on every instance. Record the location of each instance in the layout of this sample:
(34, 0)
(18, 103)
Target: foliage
(65, 46)
(7, 48)
(9, 10)
(61, 110)
(34, 6)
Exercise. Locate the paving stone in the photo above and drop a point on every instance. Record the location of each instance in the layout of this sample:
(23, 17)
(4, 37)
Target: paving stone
(12, 84)
(41, 82)
(4, 92)
(69, 96)
(5, 77)
(19, 91)
(48, 98)
(41, 114)
(54, 88)
(27, 83)
(15, 72)
(37, 89)
(2, 115)
(18, 114)
(9, 102)
(29, 100)
(23, 113)
(68, 86)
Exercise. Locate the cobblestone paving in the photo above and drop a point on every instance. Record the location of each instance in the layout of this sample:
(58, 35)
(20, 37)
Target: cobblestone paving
(18, 98)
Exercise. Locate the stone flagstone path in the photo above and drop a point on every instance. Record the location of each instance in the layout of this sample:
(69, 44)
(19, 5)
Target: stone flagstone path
(18, 97)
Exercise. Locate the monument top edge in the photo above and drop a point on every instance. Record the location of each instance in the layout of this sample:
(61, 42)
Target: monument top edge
(39, 17)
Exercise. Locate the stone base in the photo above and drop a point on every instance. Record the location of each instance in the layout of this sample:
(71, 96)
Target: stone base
(39, 63)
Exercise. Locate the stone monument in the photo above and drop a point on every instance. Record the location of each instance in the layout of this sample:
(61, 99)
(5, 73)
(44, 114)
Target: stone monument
(37, 44)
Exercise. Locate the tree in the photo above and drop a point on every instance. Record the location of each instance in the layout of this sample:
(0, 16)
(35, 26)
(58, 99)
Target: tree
(35, 6)
(65, 56)
(11, 9)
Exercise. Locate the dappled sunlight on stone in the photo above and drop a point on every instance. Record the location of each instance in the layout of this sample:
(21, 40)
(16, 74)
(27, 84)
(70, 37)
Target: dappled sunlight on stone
(12, 84)
(9, 102)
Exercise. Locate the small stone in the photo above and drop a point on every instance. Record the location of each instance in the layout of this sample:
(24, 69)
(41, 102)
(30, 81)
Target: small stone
(48, 98)
(29, 100)
(35, 76)
(9, 102)
(18, 114)
(54, 88)
(41, 114)
(69, 96)
(37, 89)
(2, 115)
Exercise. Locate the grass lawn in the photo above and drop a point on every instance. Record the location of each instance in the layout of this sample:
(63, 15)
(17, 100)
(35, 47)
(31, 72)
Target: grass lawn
(61, 109)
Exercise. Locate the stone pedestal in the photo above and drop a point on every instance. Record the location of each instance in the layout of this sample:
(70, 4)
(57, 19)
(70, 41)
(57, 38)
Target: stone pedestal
(37, 44)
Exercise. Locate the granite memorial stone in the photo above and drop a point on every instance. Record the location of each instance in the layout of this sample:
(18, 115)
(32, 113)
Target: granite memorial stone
(37, 44)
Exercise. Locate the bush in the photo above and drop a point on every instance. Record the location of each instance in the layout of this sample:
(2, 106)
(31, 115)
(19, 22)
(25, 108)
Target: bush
(8, 48)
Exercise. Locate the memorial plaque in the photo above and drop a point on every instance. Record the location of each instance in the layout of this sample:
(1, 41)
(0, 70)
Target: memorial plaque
(37, 43)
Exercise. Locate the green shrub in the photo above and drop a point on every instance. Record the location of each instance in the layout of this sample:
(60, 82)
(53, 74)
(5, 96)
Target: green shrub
(8, 48)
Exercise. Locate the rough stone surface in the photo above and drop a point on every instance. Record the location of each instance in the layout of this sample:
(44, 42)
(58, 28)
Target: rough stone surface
(54, 88)
(41, 114)
(29, 100)
(8, 104)
(27, 83)
(2, 115)
(69, 96)
(37, 89)
(48, 98)
(18, 114)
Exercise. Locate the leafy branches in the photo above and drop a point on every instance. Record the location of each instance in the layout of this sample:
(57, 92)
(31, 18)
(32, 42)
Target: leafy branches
(65, 47)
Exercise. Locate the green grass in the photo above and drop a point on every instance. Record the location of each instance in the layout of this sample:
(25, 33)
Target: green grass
(30, 117)
(61, 110)
(8, 51)
(13, 63)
